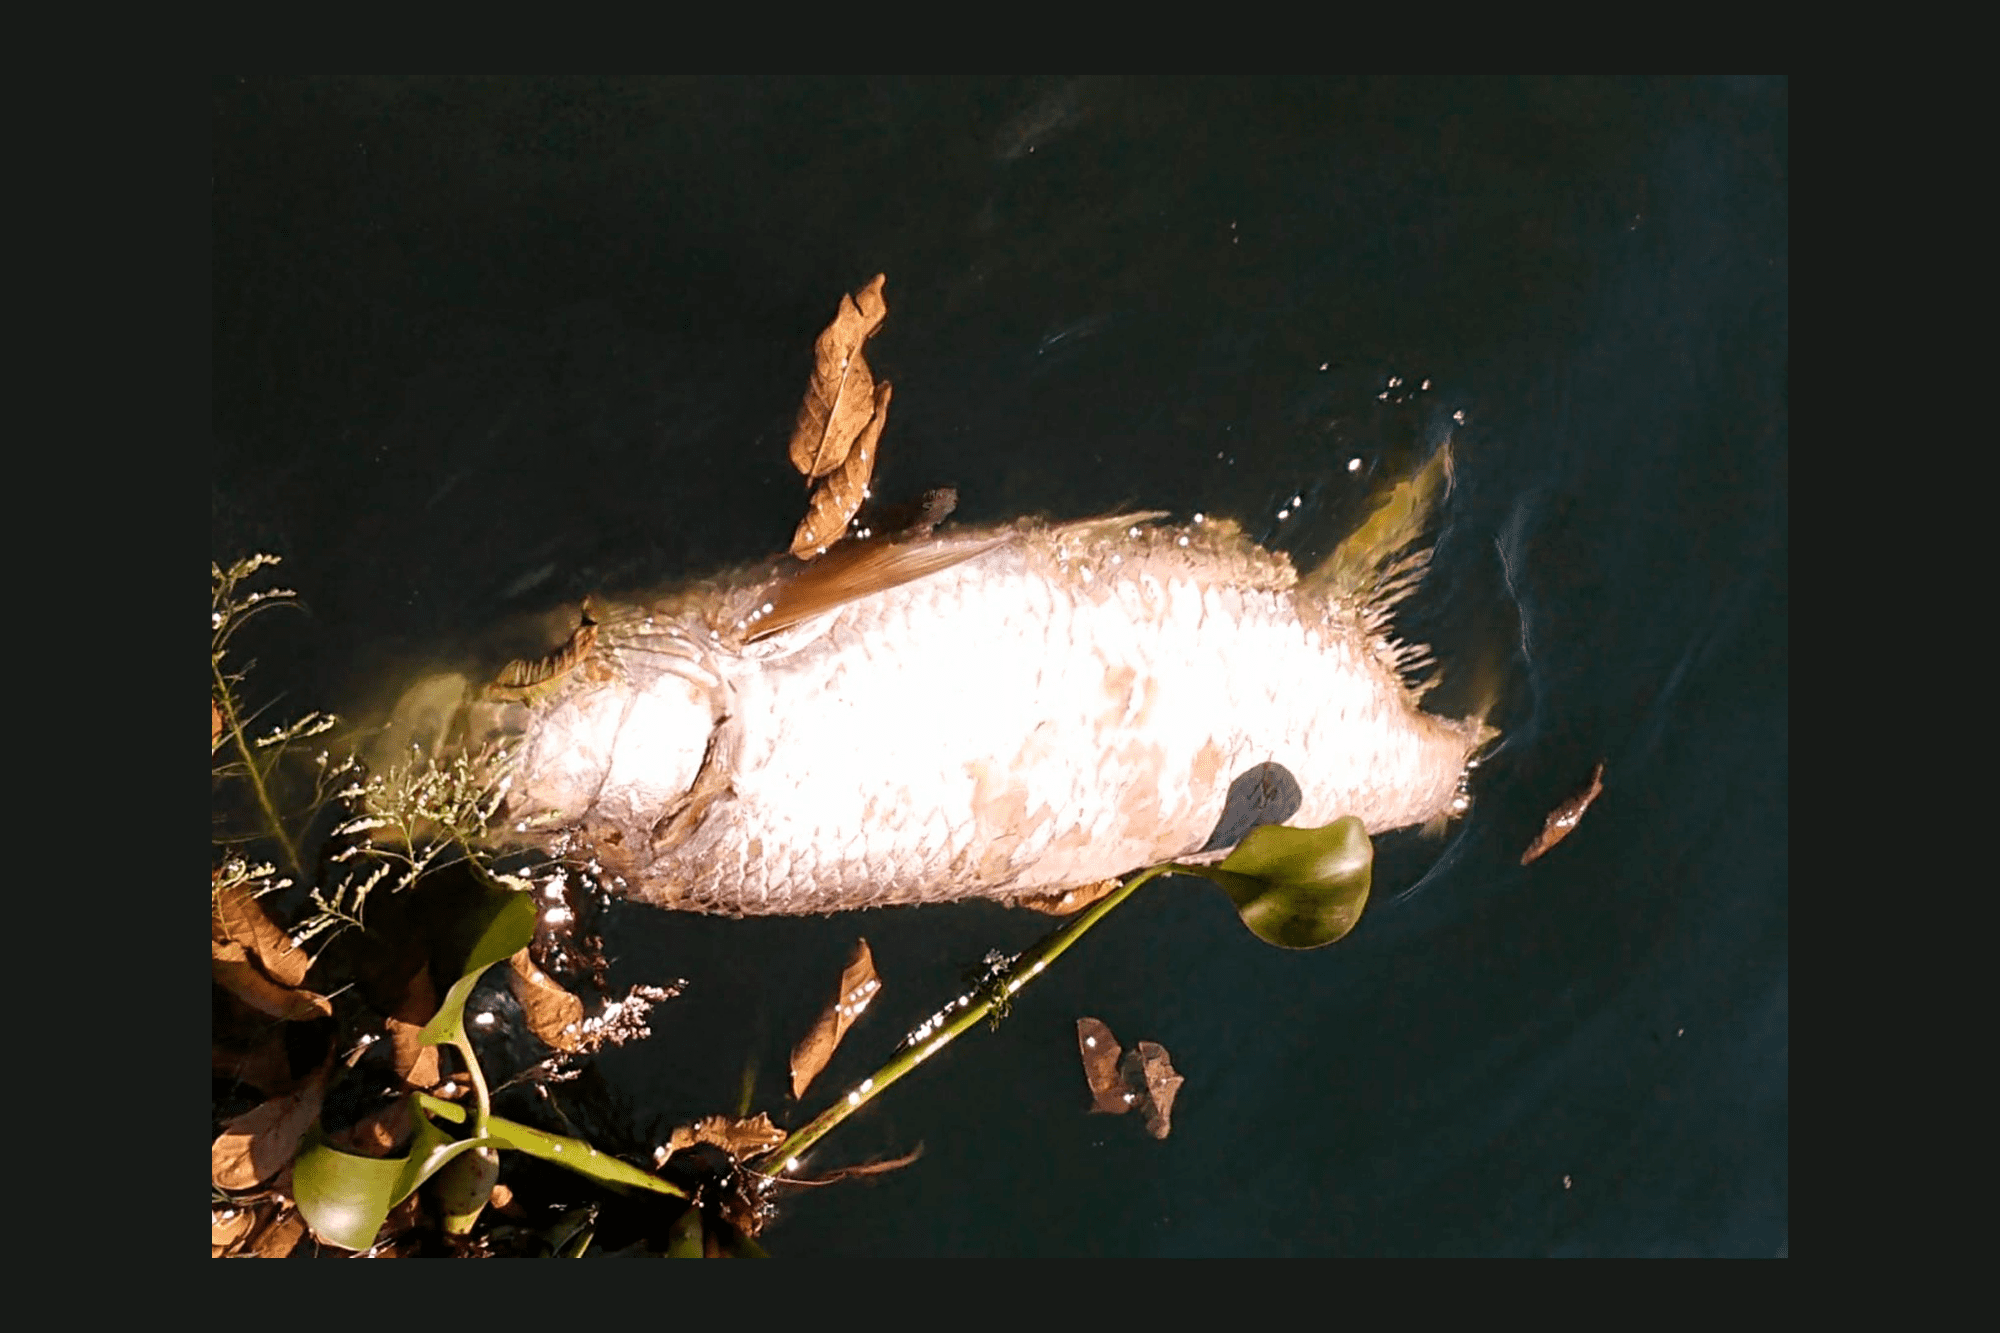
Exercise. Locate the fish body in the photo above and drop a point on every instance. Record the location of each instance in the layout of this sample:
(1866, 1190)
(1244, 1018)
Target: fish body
(1001, 713)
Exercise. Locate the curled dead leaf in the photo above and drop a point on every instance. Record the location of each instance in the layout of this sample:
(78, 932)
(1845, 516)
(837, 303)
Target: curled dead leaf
(416, 1064)
(235, 973)
(239, 917)
(1565, 816)
(858, 985)
(738, 1137)
(263, 1140)
(554, 1015)
(839, 494)
(1144, 1079)
(214, 726)
(279, 1235)
(840, 395)
(227, 1225)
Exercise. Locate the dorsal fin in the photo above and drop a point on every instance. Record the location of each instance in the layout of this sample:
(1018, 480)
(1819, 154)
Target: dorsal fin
(851, 572)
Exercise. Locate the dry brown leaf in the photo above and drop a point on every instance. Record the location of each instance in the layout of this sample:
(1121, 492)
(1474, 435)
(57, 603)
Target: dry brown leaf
(1151, 1074)
(279, 1236)
(228, 1224)
(1144, 1079)
(738, 1138)
(839, 494)
(840, 395)
(1565, 816)
(263, 1140)
(264, 1066)
(416, 1064)
(214, 725)
(553, 1014)
(858, 985)
(235, 973)
(241, 918)
(380, 1132)
(1100, 1051)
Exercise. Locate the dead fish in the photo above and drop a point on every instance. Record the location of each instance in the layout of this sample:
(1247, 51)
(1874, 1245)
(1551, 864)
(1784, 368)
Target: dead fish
(1001, 713)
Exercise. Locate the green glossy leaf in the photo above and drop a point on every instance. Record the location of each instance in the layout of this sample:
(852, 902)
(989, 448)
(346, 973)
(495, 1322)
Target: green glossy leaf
(502, 926)
(1298, 888)
(575, 1154)
(345, 1197)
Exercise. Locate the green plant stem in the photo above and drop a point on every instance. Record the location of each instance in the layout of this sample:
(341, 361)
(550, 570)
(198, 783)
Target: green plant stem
(482, 1107)
(264, 801)
(976, 1007)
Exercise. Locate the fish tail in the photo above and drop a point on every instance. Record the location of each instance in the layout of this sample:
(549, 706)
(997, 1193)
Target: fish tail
(1373, 567)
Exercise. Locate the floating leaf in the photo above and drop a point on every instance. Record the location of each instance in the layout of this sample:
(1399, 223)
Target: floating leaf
(1298, 888)
(1143, 1080)
(257, 1144)
(1565, 816)
(858, 985)
(840, 396)
(1150, 1073)
(1100, 1051)
(553, 1014)
(840, 493)
(739, 1137)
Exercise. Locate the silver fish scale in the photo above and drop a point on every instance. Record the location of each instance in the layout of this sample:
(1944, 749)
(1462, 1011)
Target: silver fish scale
(1064, 707)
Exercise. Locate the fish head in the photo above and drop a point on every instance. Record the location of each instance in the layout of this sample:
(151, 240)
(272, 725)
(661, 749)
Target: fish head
(614, 759)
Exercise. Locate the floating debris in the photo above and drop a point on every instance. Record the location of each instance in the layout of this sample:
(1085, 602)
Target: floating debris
(1564, 817)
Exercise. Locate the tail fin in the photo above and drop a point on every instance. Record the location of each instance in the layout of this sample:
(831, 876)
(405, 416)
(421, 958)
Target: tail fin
(1364, 568)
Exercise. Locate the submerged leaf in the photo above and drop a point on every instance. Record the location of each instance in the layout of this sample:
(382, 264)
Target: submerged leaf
(1298, 888)
(1565, 816)
(840, 394)
(858, 985)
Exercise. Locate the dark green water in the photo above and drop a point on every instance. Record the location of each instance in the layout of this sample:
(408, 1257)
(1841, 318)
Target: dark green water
(483, 347)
